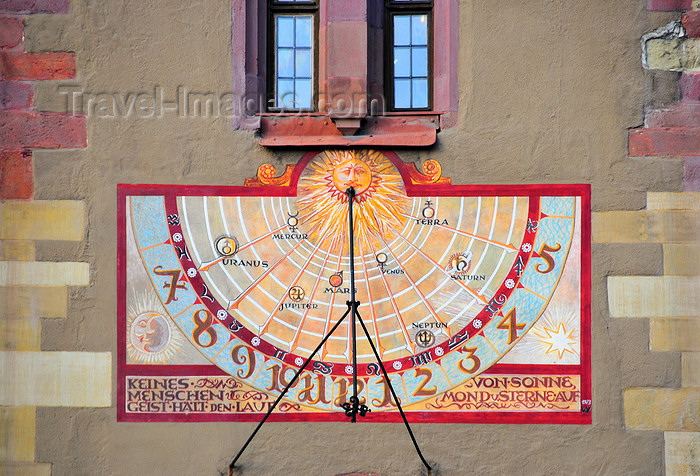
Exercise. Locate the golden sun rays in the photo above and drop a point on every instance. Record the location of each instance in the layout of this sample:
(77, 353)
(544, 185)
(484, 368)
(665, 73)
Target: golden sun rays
(380, 200)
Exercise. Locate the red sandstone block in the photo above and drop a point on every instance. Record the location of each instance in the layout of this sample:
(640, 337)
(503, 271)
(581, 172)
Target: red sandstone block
(664, 141)
(668, 5)
(14, 95)
(34, 6)
(16, 175)
(37, 66)
(347, 49)
(43, 130)
(11, 31)
(691, 23)
(681, 114)
(690, 86)
(347, 10)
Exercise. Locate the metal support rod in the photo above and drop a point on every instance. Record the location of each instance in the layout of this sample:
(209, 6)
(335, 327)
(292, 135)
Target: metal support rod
(393, 393)
(353, 304)
(289, 385)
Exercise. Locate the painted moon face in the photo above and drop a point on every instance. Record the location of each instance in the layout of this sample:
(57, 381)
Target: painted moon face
(352, 173)
(150, 332)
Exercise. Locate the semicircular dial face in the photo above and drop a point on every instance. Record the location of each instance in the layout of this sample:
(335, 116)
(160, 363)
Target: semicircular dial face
(449, 279)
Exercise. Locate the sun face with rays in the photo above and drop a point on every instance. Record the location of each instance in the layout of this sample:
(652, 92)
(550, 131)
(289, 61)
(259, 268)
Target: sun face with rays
(379, 196)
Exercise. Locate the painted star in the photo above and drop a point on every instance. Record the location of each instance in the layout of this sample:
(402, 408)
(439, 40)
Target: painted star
(560, 341)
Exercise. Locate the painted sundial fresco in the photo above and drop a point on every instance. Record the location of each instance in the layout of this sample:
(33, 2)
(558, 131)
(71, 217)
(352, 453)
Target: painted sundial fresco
(475, 297)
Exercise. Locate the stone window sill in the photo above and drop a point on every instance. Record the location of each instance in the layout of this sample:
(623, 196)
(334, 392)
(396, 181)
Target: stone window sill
(414, 129)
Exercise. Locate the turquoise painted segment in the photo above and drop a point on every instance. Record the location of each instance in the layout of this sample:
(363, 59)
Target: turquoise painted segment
(263, 379)
(162, 256)
(555, 233)
(149, 220)
(528, 306)
(559, 206)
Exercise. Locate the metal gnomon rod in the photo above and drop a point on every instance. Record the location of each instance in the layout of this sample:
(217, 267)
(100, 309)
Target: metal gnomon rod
(353, 406)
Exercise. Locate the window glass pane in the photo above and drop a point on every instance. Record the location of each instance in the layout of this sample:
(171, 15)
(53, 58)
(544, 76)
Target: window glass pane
(402, 62)
(303, 64)
(419, 29)
(303, 30)
(294, 61)
(285, 30)
(419, 96)
(285, 93)
(303, 94)
(285, 62)
(419, 61)
(402, 30)
(402, 93)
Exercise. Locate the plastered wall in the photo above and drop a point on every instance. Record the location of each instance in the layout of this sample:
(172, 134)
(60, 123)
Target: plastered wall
(548, 91)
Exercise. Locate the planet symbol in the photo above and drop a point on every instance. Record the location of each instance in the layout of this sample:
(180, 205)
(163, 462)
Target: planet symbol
(336, 279)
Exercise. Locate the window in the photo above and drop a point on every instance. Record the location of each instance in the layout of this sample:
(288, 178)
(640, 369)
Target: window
(352, 73)
(408, 82)
(292, 60)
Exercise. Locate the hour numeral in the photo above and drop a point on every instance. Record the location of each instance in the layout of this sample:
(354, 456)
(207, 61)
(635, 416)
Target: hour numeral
(471, 357)
(547, 257)
(386, 400)
(509, 324)
(248, 357)
(203, 326)
(422, 391)
(173, 285)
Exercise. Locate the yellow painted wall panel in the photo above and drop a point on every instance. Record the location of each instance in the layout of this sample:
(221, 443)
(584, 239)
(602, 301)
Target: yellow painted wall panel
(42, 220)
(668, 409)
(682, 259)
(25, 469)
(646, 226)
(654, 296)
(673, 54)
(682, 453)
(18, 433)
(676, 334)
(20, 334)
(17, 250)
(673, 201)
(18, 302)
(62, 379)
(690, 374)
(44, 273)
